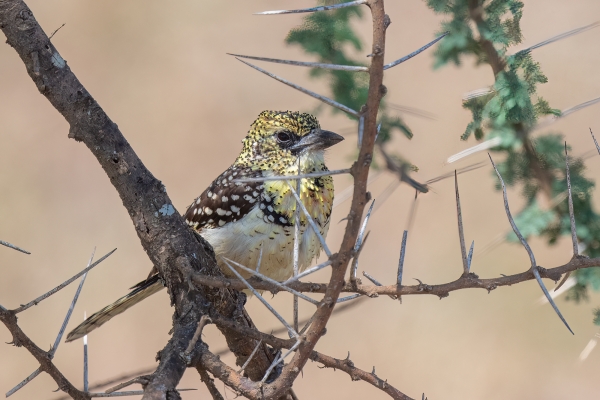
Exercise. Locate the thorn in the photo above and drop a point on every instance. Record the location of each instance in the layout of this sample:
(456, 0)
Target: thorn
(461, 233)
(250, 357)
(12, 246)
(414, 53)
(564, 113)
(359, 242)
(401, 261)
(313, 9)
(347, 298)
(308, 272)
(62, 285)
(262, 300)
(550, 300)
(595, 141)
(561, 36)
(335, 67)
(562, 282)
(470, 256)
(311, 221)
(279, 360)
(571, 212)
(273, 282)
(324, 99)
(534, 267)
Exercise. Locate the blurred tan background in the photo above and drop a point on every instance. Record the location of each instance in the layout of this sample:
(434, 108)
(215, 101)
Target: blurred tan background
(159, 69)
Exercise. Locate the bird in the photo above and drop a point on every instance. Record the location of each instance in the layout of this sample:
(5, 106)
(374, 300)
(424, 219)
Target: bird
(252, 222)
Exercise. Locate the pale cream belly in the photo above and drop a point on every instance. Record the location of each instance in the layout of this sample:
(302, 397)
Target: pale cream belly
(242, 241)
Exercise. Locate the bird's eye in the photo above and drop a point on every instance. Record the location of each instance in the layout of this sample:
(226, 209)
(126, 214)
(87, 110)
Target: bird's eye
(283, 137)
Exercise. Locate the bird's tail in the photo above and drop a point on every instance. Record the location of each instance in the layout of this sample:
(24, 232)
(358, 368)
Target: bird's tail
(140, 291)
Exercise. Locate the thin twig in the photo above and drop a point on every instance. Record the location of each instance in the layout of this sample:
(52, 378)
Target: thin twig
(414, 53)
(12, 246)
(335, 67)
(204, 320)
(311, 221)
(461, 232)
(324, 99)
(291, 330)
(534, 267)
(313, 9)
(57, 29)
(61, 286)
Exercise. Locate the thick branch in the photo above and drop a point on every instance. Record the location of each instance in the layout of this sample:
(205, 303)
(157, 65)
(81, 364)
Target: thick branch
(169, 243)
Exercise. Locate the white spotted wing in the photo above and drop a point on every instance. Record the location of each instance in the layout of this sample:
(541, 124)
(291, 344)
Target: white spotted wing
(225, 200)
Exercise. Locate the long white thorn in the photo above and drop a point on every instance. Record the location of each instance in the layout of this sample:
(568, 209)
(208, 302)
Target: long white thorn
(311, 221)
(335, 67)
(273, 281)
(291, 330)
(313, 9)
(308, 272)
(324, 99)
(414, 53)
(534, 267)
(12, 246)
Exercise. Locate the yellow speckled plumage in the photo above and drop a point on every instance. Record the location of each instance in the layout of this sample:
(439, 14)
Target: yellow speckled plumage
(251, 221)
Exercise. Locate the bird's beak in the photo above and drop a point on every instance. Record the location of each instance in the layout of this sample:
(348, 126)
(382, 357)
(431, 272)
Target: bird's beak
(318, 140)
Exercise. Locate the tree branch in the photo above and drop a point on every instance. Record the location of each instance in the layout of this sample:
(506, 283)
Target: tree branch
(170, 244)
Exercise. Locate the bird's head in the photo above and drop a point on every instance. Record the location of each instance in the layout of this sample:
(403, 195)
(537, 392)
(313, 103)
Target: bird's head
(278, 140)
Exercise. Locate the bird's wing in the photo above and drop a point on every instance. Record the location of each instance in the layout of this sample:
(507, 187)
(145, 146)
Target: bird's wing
(225, 200)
